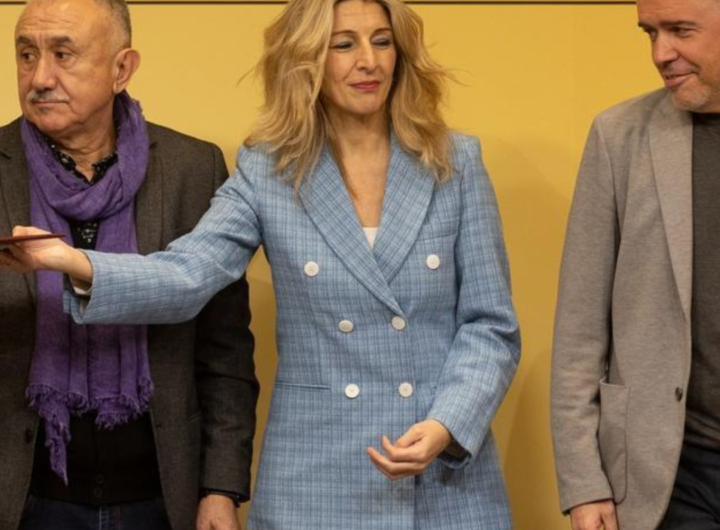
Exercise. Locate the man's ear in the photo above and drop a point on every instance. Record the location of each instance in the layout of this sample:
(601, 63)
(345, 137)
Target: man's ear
(127, 62)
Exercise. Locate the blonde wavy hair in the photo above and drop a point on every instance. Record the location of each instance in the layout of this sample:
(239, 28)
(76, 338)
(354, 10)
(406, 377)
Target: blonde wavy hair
(293, 123)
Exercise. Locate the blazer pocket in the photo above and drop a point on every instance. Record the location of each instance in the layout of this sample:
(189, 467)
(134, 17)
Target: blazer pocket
(302, 386)
(438, 229)
(612, 436)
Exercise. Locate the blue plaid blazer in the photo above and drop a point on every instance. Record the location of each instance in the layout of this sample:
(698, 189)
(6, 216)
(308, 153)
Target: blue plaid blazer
(370, 341)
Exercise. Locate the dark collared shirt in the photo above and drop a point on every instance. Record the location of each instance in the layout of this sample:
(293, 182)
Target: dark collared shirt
(702, 424)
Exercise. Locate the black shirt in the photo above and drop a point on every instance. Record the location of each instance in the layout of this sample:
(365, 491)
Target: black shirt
(702, 425)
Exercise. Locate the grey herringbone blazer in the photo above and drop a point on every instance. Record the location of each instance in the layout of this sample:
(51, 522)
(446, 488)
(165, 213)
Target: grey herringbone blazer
(622, 350)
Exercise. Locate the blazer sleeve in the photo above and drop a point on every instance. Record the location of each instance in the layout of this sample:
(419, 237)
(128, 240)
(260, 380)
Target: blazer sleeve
(173, 285)
(226, 383)
(486, 349)
(582, 328)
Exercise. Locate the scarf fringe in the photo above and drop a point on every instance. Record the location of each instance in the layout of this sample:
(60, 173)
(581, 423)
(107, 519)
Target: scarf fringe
(133, 408)
(43, 399)
(112, 411)
(46, 401)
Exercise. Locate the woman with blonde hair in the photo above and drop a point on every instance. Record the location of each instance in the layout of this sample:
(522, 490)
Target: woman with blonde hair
(397, 338)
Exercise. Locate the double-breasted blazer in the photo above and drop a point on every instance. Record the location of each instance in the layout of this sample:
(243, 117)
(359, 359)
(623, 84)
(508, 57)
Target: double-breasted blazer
(370, 340)
(622, 349)
(205, 389)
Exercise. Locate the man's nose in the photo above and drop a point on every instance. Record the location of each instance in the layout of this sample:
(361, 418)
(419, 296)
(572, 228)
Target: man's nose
(663, 51)
(44, 77)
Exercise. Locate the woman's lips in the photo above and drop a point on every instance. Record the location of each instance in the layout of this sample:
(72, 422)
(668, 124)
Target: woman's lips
(366, 86)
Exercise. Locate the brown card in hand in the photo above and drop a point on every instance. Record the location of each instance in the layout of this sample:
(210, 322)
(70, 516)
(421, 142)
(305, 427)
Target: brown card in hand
(5, 242)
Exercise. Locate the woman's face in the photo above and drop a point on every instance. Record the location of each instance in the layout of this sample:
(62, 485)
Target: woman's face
(361, 60)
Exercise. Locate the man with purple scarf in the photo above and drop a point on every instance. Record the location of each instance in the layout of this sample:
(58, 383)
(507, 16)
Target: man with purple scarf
(111, 427)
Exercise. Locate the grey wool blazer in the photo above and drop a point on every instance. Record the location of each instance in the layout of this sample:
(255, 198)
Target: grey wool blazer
(622, 348)
(203, 409)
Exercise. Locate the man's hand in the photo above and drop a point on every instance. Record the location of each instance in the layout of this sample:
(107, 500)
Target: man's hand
(413, 452)
(594, 516)
(217, 512)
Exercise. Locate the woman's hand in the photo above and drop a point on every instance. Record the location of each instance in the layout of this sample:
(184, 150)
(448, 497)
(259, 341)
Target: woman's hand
(32, 255)
(413, 452)
(45, 254)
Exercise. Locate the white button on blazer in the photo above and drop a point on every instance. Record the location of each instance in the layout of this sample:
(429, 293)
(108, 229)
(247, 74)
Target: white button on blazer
(346, 326)
(311, 269)
(398, 323)
(405, 390)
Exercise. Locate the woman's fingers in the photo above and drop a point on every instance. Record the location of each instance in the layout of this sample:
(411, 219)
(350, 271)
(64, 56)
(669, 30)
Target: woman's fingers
(394, 470)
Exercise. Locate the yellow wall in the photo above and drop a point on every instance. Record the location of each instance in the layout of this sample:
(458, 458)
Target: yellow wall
(532, 77)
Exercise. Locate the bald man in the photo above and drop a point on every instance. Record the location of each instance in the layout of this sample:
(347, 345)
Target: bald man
(121, 427)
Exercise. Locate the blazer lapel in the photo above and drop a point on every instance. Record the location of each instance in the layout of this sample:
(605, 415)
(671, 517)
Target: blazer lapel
(408, 193)
(15, 184)
(149, 205)
(327, 202)
(670, 133)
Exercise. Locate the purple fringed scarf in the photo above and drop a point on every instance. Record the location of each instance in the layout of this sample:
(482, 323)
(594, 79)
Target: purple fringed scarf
(76, 369)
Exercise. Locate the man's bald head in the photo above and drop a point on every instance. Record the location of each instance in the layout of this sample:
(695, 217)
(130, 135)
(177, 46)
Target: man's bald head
(119, 15)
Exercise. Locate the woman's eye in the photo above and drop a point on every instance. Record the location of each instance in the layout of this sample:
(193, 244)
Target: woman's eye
(382, 43)
(342, 46)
